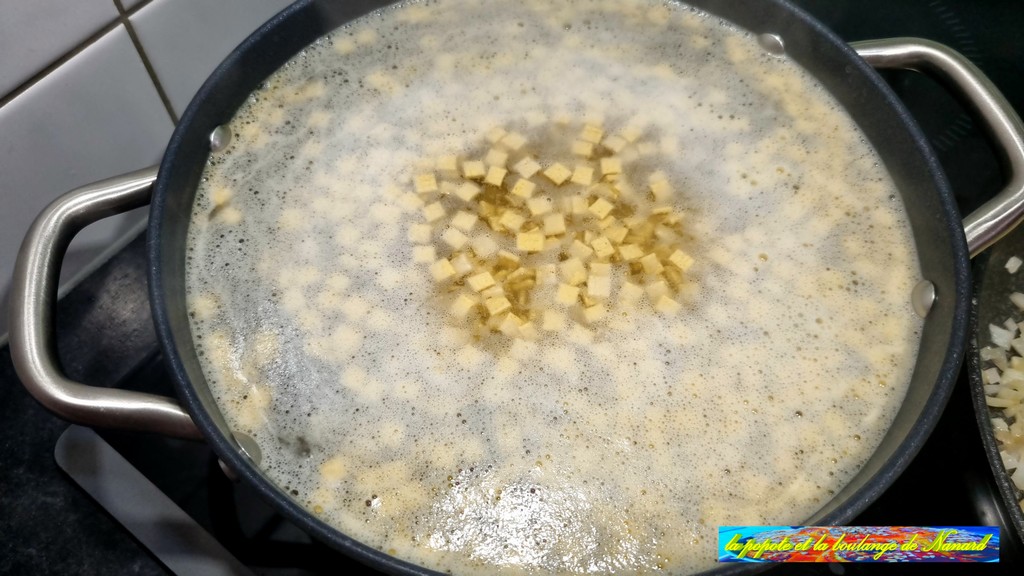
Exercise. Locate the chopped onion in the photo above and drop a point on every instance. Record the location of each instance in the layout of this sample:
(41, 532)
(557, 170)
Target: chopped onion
(1011, 375)
(1011, 325)
(1010, 461)
(997, 402)
(990, 376)
(1018, 300)
(994, 355)
(1000, 336)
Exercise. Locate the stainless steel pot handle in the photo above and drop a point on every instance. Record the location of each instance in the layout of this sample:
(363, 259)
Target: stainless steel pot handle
(33, 298)
(1004, 212)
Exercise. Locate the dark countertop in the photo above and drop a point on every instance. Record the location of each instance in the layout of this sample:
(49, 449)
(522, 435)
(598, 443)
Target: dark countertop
(48, 525)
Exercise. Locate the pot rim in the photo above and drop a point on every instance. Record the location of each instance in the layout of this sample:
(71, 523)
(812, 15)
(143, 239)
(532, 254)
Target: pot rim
(197, 115)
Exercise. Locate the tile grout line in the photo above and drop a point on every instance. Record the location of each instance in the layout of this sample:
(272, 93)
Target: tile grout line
(122, 18)
(145, 59)
(32, 81)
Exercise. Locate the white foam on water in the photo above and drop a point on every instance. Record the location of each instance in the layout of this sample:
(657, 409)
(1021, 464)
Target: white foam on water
(617, 447)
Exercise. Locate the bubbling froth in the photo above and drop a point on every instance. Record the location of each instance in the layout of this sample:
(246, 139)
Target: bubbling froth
(616, 446)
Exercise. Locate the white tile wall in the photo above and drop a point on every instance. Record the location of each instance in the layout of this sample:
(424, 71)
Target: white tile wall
(96, 116)
(37, 32)
(100, 112)
(183, 61)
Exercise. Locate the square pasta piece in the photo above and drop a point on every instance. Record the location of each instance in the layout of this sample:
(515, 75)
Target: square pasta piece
(462, 264)
(464, 220)
(539, 206)
(483, 246)
(467, 191)
(494, 135)
(592, 134)
(580, 250)
(424, 254)
(473, 169)
(554, 224)
(602, 247)
(448, 164)
(651, 264)
(681, 259)
(495, 176)
(666, 305)
(552, 320)
(582, 148)
(462, 306)
(567, 295)
(611, 165)
(510, 325)
(557, 173)
(614, 143)
(433, 212)
(496, 157)
(512, 221)
(523, 188)
(526, 167)
(630, 252)
(513, 141)
(661, 190)
(425, 183)
(442, 270)
(601, 208)
(532, 241)
(632, 133)
(454, 238)
(480, 282)
(497, 305)
(573, 272)
(583, 174)
(420, 233)
(599, 287)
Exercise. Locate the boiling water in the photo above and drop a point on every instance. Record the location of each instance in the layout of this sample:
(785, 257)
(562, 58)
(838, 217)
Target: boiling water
(613, 446)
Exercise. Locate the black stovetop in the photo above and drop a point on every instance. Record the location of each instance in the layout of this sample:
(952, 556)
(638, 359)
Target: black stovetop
(48, 524)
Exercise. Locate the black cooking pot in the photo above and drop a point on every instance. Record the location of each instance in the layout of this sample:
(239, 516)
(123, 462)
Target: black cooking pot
(939, 234)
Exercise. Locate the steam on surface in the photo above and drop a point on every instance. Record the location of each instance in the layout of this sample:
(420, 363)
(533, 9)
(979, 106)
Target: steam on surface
(613, 447)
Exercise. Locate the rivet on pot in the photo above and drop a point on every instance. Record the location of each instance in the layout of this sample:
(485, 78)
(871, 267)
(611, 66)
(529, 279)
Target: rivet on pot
(772, 44)
(227, 471)
(249, 447)
(220, 138)
(923, 297)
